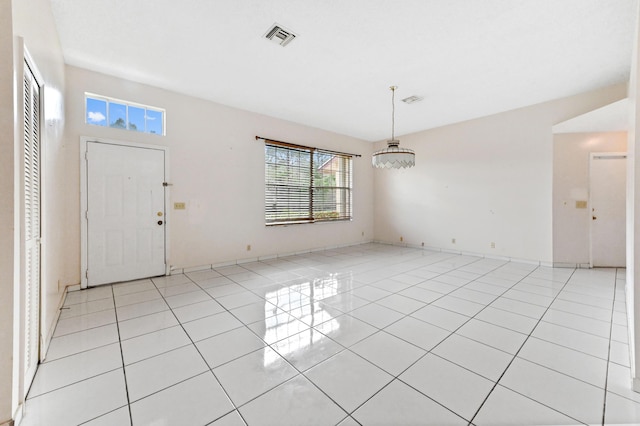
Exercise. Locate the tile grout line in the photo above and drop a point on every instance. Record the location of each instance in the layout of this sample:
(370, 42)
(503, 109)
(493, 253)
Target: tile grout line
(124, 371)
(405, 315)
(369, 302)
(467, 321)
(469, 317)
(241, 284)
(606, 376)
(323, 272)
(300, 372)
(561, 326)
(235, 408)
(397, 377)
(269, 345)
(516, 355)
(425, 304)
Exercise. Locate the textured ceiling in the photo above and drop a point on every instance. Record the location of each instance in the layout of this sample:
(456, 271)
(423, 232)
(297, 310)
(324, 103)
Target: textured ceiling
(466, 58)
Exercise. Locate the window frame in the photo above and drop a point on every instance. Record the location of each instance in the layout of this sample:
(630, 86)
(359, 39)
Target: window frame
(126, 104)
(302, 190)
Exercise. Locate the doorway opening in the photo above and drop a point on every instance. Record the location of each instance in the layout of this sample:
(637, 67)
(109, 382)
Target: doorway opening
(607, 201)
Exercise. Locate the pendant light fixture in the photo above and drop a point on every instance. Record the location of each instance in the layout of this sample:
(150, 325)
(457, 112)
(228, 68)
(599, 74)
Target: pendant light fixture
(393, 157)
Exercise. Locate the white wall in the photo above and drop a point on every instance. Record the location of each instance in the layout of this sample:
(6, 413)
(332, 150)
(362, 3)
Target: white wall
(41, 40)
(633, 206)
(571, 225)
(217, 168)
(481, 181)
(32, 22)
(6, 211)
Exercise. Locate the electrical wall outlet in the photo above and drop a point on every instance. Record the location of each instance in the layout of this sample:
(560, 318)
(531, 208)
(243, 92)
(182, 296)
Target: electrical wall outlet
(453, 241)
(401, 239)
(493, 245)
(248, 247)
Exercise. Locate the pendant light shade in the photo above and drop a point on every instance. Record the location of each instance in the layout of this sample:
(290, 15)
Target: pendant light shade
(393, 157)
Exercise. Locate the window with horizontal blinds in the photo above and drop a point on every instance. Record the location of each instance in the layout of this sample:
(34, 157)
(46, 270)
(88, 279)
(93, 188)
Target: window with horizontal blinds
(304, 184)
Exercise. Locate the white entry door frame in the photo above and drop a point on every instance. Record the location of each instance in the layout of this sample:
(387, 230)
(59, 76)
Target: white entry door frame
(161, 217)
(607, 205)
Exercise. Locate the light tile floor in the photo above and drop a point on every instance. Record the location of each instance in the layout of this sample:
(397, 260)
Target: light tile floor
(371, 334)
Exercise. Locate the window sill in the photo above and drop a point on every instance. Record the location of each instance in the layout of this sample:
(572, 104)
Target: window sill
(303, 222)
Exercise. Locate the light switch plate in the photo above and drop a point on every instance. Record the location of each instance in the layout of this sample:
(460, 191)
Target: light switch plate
(580, 204)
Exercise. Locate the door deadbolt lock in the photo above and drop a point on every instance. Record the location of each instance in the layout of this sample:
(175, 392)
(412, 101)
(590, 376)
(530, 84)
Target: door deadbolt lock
(159, 222)
(593, 217)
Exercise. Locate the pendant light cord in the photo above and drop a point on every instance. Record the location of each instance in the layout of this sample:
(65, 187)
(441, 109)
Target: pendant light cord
(393, 112)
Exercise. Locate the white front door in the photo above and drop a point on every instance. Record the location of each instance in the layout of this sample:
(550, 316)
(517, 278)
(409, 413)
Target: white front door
(607, 186)
(125, 212)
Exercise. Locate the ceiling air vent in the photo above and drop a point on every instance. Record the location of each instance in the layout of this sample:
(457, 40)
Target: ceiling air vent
(412, 99)
(279, 35)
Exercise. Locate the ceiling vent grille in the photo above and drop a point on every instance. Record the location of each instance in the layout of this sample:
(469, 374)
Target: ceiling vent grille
(412, 99)
(279, 35)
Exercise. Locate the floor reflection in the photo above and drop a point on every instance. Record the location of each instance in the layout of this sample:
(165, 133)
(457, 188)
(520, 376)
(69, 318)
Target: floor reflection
(294, 331)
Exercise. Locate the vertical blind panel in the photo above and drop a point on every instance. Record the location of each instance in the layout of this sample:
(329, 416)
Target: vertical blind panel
(306, 185)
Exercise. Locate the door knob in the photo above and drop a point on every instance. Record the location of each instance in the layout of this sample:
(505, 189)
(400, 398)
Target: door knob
(159, 222)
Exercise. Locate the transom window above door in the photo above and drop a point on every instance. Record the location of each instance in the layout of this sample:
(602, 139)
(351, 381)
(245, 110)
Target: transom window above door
(115, 113)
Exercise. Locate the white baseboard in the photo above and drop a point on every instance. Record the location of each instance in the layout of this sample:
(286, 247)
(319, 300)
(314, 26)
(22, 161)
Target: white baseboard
(197, 268)
(468, 253)
(548, 264)
(175, 270)
(17, 416)
(46, 340)
(571, 265)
